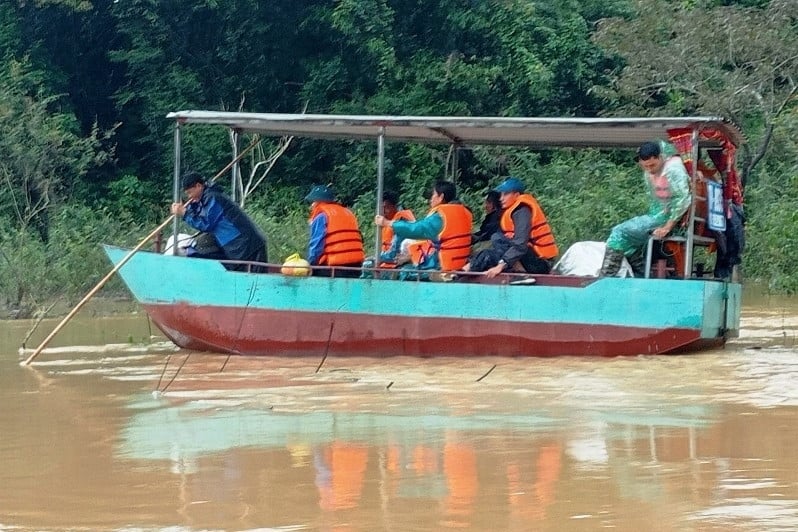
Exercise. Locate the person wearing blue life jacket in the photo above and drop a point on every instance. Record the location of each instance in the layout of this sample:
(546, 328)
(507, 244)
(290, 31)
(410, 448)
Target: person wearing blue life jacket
(209, 210)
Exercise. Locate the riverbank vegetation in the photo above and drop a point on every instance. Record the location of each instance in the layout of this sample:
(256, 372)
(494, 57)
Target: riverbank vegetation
(86, 151)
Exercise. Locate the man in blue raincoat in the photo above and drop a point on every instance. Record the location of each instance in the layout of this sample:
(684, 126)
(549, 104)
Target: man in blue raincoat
(209, 210)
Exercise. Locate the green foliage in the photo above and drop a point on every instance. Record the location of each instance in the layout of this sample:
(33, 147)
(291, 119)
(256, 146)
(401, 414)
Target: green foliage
(284, 219)
(10, 37)
(728, 60)
(368, 22)
(771, 197)
(69, 264)
(78, 231)
(420, 167)
(132, 199)
(42, 154)
(771, 236)
(582, 192)
(24, 280)
(63, 175)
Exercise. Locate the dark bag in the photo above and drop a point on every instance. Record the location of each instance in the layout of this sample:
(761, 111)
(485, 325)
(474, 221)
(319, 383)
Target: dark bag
(206, 244)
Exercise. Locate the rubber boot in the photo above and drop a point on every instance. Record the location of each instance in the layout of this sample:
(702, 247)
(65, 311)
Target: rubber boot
(612, 263)
(638, 264)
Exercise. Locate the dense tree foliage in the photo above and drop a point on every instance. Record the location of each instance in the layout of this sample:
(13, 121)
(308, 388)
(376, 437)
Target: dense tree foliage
(85, 86)
(734, 59)
(728, 61)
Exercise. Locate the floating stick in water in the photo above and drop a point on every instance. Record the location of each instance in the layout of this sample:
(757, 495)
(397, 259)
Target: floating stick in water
(486, 374)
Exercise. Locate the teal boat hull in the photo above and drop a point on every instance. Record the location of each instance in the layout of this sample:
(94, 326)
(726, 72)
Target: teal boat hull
(200, 305)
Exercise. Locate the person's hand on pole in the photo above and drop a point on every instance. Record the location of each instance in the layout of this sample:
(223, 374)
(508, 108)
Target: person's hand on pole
(178, 209)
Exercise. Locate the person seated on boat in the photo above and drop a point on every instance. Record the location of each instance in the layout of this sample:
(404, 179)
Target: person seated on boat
(391, 245)
(524, 242)
(443, 236)
(668, 188)
(335, 238)
(209, 210)
(490, 223)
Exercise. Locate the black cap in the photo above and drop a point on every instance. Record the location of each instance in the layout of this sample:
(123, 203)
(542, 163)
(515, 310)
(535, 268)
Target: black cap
(190, 179)
(648, 150)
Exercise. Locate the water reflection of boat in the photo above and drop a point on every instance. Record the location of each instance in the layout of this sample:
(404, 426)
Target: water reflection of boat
(242, 313)
(529, 460)
(197, 428)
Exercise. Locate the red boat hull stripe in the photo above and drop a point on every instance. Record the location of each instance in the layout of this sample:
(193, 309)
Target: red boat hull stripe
(280, 333)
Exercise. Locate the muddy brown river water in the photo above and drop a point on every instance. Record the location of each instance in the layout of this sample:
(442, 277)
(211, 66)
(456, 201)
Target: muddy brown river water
(691, 442)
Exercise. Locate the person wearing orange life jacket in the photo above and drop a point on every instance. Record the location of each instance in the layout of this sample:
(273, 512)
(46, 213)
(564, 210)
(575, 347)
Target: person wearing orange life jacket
(668, 185)
(444, 234)
(335, 238)
(525, 238)
(392, 211)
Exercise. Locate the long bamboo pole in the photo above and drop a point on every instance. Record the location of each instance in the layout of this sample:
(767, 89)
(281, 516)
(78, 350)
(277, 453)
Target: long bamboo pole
(124, 261)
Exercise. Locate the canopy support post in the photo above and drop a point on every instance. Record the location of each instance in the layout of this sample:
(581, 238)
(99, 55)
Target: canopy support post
(380, 177)
(688, 251)
(176, 186)
(454, 166)
(236, 185)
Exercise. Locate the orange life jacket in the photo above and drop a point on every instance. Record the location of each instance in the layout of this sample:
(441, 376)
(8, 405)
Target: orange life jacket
(387, 231)
(454, 240)
(343, 243)
(541, 239)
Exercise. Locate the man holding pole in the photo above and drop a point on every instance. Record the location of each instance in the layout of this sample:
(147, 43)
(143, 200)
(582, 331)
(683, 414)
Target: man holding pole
(127, 257)
(210, 211)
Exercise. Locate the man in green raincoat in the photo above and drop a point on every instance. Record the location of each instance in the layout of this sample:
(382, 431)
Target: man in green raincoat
(668, 186)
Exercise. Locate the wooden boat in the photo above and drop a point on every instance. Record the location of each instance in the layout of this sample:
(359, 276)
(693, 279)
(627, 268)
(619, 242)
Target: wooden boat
(201, 305)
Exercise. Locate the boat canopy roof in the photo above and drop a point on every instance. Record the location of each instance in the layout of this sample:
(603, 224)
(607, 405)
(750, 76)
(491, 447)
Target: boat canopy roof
(470, 131)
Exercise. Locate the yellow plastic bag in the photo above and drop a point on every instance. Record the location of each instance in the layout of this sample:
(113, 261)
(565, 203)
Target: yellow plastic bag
(296, 266)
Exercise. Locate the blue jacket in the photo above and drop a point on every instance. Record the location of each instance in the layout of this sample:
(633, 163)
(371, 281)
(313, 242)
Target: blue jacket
(318, 229)
(235, 233)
